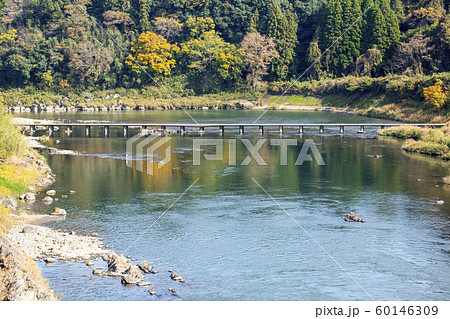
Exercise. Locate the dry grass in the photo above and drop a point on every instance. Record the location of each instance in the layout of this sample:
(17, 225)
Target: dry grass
(446, 180)
(434, 142)
(6, 220)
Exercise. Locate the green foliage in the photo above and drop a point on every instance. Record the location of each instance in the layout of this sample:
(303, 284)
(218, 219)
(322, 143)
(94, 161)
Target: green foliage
(11, 141)
(45, 43)
(404, 132)
(283, 30)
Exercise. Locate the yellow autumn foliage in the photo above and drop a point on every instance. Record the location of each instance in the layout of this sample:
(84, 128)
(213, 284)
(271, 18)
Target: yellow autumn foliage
(153, 53)
(435, 95)
(9, 36)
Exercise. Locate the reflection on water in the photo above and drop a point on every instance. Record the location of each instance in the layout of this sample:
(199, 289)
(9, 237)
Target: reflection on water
(230, 241)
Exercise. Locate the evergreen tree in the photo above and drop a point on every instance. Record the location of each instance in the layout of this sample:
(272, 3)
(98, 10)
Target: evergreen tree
(254, 23)
(398, 8)
(332, 30)
(144, 23)
(284, 32)
(348, 48)
(375, 32)
(392, 25)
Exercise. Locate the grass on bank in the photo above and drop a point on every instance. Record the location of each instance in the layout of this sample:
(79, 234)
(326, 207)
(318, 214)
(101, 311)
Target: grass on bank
(434, 142)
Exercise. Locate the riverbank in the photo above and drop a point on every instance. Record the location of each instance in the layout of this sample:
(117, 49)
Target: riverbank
(396, 97)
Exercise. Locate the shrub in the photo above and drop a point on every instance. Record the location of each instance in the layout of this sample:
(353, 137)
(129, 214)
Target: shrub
(422, 147)
(435, 95)
(404, 132)
(11, 141)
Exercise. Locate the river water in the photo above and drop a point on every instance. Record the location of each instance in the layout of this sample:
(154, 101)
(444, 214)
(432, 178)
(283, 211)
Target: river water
(232, 239)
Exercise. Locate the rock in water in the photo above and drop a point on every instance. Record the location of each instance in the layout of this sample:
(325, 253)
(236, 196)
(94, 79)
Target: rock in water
(49, 260)
(96, 272)
(174, 276)
(51, 192)
(132, 276)
(47, 200)
(145, 267)
(151, 291)
(440, 203)
(29, 197)
(93, 234)
(72, 192)
(58, 212)
(116, 263)
(89, 263)
(353, 218)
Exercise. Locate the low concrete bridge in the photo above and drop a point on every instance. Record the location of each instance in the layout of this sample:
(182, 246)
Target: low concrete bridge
(181, 128)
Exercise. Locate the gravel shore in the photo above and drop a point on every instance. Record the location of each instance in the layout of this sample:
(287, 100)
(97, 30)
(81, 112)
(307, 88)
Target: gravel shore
(40, 242)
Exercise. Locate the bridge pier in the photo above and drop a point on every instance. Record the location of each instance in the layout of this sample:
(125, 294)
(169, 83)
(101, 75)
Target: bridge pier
(182, 130)
(241, 130)
(125, 131)
(202, 130)
(321, 129)
(341, 129)
(106, 131)
(50, 130)
(261, 130)
(383, 127)
(87, 130)
(32, 129)
(221, 130)
(361, 129)
(281, 130)
(301, 130)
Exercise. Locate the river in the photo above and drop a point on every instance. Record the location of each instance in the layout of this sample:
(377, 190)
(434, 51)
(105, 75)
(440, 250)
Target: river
(232, 239)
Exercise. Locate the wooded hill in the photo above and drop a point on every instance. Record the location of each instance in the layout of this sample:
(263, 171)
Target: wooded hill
(210, 45)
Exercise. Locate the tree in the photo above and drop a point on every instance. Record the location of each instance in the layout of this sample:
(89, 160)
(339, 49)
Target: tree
(375, 29)
(119, 19)
(283, 29)
(151, 52)
(89, 63)
(169, 28)
(331, 31)
(144, 23)
(259, 52)
(313, 57)
(366, 63)
(392, 25)
(212, 61)
(435, 95)
(254, 22)
(348, 47)
(197, 26)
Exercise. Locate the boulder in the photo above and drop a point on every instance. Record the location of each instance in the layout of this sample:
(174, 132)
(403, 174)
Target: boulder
(58, 212)
(72, 192)
(49, 260)
(353, 218)
(174, 276)
(51, 192)
(47, 200)
(29, 230)
(439, 203)
(8, 202)
(29, 197)
(89, 263)
(145, 267)
(132, 276)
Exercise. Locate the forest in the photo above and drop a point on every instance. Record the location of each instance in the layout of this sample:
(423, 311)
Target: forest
(206, 46)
